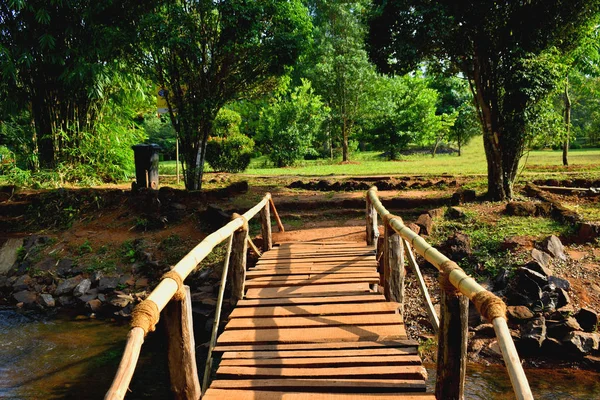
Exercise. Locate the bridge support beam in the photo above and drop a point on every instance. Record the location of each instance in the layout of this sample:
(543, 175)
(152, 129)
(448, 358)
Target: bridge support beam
(265, 225)
(372, 227)
(452, 346)
(181, 348)
(239, 250)
(394, 271)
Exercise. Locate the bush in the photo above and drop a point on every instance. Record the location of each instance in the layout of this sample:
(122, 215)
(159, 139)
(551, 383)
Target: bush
(229, 154)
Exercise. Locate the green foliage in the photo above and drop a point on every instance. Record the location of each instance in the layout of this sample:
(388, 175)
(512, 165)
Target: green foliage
(85, 248)
(160, 131)
(228, 150)
(289, 125)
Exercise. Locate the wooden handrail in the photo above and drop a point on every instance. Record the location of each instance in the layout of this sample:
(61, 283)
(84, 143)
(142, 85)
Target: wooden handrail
(165, 290)
(464, 284)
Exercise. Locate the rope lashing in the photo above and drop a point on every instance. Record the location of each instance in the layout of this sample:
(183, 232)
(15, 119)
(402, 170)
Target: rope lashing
(245, 225)
(489, 305)
(387, 219)
(446, 269)
(180, 293)
(145, 315)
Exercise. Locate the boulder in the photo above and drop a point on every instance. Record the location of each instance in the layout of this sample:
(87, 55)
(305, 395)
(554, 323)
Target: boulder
(588, 231)
(559, 329)
(543, 209)
(67, 286)
(436, 212)
(563, 298)
(533, 333)
(95, 277)
(414, 227)
(463, 196)
(94, 305)
(501, 279)
(549, 301)
(540, 279)
(22, 283)
(107, 284)
(516, 242)
(485, 330)
(456, 212)
(46, 300)
(425, 222)
(520, 208)
(553, 246)
(66, 301)
(552, 348)
(64, 267)
(588, 319)
(519, 313)
(559, 282)
(457, 246)
(540, 269)
(214, 217)
(25, 296)
(582, 342)
(543, 259)
(82, 288)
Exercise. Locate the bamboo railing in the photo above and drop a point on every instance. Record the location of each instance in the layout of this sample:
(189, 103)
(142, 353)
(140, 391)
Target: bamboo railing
(174, 298)
(457, 289)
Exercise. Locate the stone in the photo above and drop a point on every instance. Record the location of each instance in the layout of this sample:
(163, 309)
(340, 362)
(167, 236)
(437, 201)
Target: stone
(89, 296)
(549, 301)
(519, 313)
(25, 296)
(543, 259)
(46, 300)
(67, 286)
(540, 269)
(516, 242)
(107, 284)
(82, 288)
(425, 222)
(553, 246)
(543, 209)
(582, 342)
(95, 277)
(533, 333)
(456, 213)
(65, 301)
(501, 279)
(414, 227)
(520, 208)
(539, 279)
(436, 212)
(563, 298)
(494, 349)
(485, 330)
(559, 329)
(64, 267)
(22, 283)
(141, 283)
(588, 231)
(214, 217)
(559, 282)
(457, 246)
(120, 301)
(94, 305)
(552, 348)
(101, 297)
(588, 319)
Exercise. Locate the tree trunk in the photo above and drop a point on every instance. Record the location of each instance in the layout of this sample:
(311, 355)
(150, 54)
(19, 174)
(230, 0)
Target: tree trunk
(565, 155)
(345, 140)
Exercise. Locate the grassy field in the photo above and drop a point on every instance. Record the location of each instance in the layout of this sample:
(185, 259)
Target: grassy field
(471, 162)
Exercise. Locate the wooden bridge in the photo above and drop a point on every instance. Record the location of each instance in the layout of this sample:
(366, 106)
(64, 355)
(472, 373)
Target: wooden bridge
(317, 320)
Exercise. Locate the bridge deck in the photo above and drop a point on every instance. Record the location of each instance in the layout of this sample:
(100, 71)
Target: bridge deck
(311, 328)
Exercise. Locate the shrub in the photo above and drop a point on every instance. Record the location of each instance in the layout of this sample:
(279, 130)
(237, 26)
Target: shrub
(229, 154)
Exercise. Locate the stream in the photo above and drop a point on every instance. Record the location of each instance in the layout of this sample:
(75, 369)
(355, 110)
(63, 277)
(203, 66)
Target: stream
(62, 358)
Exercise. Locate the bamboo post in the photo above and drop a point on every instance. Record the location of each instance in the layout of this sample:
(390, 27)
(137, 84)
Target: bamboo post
(372, 228)
(397, 273)
(254, 248)
(181, 348)
(239, 250)
(433, 318)
(213, 339)
(452, 346)
(265, 225)
(387, 269)
(276, 215)
(120, 383)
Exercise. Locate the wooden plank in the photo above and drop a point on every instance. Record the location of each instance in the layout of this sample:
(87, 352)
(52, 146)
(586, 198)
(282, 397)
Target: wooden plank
(286, 252)
(253, 284)
(308, 271)
(384, 351)
(220, 394)
(321, 275)
(341, 289)
(334, 362)
(311, 335)
(319, 259)
(304, 255)
(337, 309)
(398, 372)
(359, 298)
(304, 264)
(365, 344)
(314, 321)
(378, 385)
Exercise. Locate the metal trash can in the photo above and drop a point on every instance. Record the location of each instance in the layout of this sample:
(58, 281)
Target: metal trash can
(146, 165)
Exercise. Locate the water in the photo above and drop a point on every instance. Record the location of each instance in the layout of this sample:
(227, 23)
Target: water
(59, 358)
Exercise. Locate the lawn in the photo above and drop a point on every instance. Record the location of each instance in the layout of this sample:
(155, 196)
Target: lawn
(471, 162)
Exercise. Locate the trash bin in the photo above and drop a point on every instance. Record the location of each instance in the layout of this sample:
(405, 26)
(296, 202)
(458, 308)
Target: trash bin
(146, 165)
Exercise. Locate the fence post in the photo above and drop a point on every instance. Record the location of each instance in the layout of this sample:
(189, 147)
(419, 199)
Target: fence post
(393, 265)
(372, 228)
(265, 225)
(181, 348)
(239, 250)
(452, 346)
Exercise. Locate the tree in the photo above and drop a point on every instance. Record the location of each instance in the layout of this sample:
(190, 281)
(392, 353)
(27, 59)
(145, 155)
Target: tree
(342, 71)
(508, 50)
(207, 53)
(228, 150)
(288, 126)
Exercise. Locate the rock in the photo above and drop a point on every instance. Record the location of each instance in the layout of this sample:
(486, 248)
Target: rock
(553, 246)
(552, 348)
(501, 279)
(533, 333)
(67, 286)
(582, 342)
(485, 330)
(519, 313)
(141, 283)
(107, 284)
(101, 297)
(22, 283)
(549, 301)
(588, 231)
(25, 296)
(214, 217)
(87, 297)
(414, 227)
(540, 269)
(494, 349)
(539, 279)
(520, 208)
(456, 213)
(46, 300)
(563, 298)
(64, 267)
(436, 212)
(95, 277)
(543, 259)
(588, 319)
(559, 282)
(120, 301)
(94, 305)
(543, 209)
(82, 288)
(559, 329)
(65, 301)
(457, 246)
(425, 222)
(516, 242)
